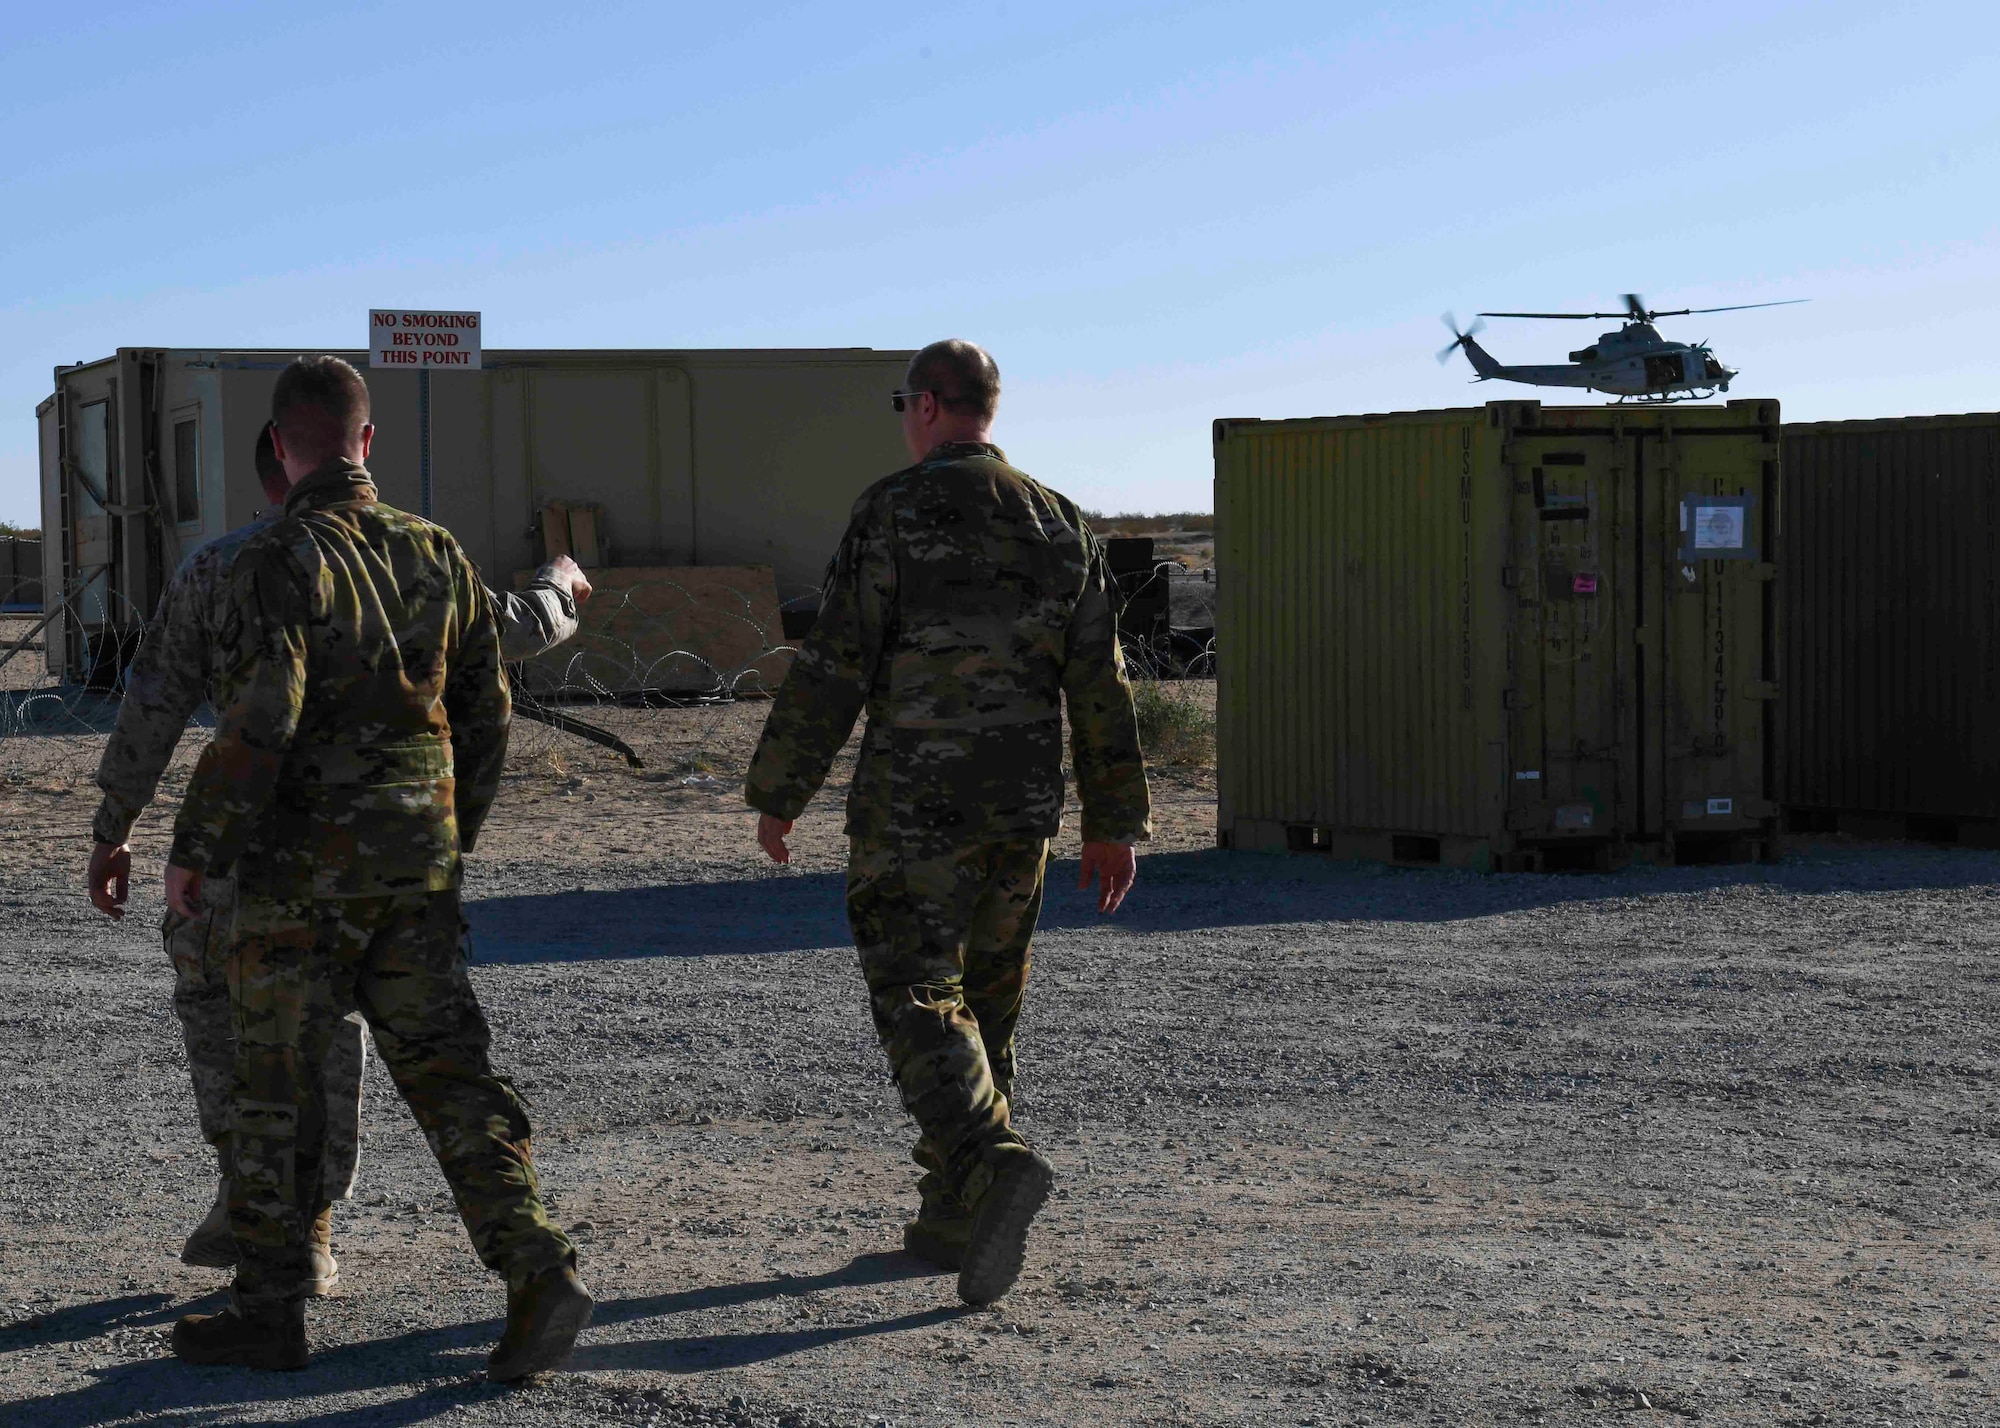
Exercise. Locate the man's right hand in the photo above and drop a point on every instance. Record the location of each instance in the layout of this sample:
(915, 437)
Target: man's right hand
(771, 835)
(183, 889)
(110, 878)
(567, 571)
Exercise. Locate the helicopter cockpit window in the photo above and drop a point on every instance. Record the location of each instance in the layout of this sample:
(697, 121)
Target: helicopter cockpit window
(1713, 368)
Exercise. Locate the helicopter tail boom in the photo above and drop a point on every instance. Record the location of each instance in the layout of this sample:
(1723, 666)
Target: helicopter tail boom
(1483, 362)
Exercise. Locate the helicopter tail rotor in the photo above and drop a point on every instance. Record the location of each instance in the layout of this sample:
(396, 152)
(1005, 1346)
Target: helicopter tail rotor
(1459, 339)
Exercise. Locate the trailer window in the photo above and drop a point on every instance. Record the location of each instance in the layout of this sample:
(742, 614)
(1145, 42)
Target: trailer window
(187, 471)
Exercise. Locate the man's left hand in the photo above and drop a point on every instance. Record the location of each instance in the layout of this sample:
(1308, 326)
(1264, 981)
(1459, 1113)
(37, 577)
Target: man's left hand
(184, 890)
(1115, 866)
(771, 833)
(567, 571)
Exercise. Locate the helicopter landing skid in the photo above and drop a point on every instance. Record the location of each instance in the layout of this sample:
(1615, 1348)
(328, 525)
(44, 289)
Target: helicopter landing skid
(1662, 398)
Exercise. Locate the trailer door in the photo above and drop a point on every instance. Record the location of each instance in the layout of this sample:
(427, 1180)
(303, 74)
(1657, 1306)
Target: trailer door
(86, 574)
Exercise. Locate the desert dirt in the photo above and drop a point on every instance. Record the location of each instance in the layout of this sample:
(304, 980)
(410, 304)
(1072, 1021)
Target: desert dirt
(1338, 1144)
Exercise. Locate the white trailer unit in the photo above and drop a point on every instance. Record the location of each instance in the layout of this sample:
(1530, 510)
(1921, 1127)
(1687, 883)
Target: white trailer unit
(733, 458)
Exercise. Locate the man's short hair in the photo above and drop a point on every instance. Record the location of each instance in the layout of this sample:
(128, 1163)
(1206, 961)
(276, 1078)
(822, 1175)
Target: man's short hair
(319, 407)
(960, 374)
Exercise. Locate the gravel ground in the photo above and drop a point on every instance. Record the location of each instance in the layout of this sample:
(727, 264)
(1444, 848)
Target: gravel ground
(1338, 1144)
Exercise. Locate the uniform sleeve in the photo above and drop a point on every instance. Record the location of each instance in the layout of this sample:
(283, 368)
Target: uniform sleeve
(831, 675)
(478, 705)
(260, 685)
(535, 620)
(1103, 727)
(165, 685)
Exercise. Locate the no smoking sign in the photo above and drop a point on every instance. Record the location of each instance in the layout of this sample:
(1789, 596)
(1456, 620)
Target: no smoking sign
(419, 341)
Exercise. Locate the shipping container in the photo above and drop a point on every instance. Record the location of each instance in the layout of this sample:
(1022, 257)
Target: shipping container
(1510, 637)
(20, 573)
(1892, 626)
(685, 458)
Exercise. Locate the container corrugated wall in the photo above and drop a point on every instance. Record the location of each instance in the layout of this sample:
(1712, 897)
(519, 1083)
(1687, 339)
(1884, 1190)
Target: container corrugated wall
(1381, 565)
(1892, 617)
(1509, 636)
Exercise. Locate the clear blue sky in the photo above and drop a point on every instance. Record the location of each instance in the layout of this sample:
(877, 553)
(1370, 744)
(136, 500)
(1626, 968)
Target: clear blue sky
(1153, 213)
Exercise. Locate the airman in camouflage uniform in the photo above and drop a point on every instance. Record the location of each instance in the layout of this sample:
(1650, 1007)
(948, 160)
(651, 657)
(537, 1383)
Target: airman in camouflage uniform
(966, 603)
(361, 728)
(171, 676)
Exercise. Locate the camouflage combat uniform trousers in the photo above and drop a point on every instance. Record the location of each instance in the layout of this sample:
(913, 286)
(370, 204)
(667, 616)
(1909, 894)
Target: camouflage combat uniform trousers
(198, 947)
(943, 943)
(294, 967)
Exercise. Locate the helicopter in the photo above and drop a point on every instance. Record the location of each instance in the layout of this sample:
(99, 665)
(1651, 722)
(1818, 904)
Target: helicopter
(1634, 363)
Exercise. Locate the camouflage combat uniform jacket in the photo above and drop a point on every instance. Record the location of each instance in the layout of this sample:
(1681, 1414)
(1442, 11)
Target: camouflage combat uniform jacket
(376, 785)
(173, 673)
(965, 603)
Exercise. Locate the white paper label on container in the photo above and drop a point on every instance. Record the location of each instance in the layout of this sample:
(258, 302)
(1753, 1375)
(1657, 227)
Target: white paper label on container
(1528, 773)
(1721, 805)
(1718, 528)
(415, 340)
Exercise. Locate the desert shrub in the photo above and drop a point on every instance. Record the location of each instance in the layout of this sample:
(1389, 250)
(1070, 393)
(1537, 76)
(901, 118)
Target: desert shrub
(1134, 523)
(1174, 726)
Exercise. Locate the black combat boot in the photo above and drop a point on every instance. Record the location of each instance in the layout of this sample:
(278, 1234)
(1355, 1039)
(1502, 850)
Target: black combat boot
(261, 1334)
(998, 1245)
(545, 1313)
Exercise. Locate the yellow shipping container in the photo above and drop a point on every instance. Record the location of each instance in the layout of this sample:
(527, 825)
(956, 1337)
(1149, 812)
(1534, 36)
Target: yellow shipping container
(1510, 637)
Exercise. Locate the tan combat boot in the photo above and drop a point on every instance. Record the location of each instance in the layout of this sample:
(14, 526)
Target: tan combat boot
(943, 1225)
(545, 1313)
(1001, 1214)
(212, 1246)
(259, 1335)
(325, 1268)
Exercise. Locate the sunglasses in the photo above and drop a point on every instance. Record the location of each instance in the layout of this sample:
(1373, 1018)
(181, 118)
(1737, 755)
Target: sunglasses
(896, 399)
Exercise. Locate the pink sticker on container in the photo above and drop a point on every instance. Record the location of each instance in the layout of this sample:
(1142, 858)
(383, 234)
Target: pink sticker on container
(1584, 585)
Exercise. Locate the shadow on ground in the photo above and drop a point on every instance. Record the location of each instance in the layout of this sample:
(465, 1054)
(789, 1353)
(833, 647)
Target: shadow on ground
(1177, 892)
(164, 1387)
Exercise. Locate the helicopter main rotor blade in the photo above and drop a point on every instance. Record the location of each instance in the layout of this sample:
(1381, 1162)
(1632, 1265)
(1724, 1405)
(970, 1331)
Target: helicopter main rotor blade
(1579, 316)
(1739, 307)
(1635, 308)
